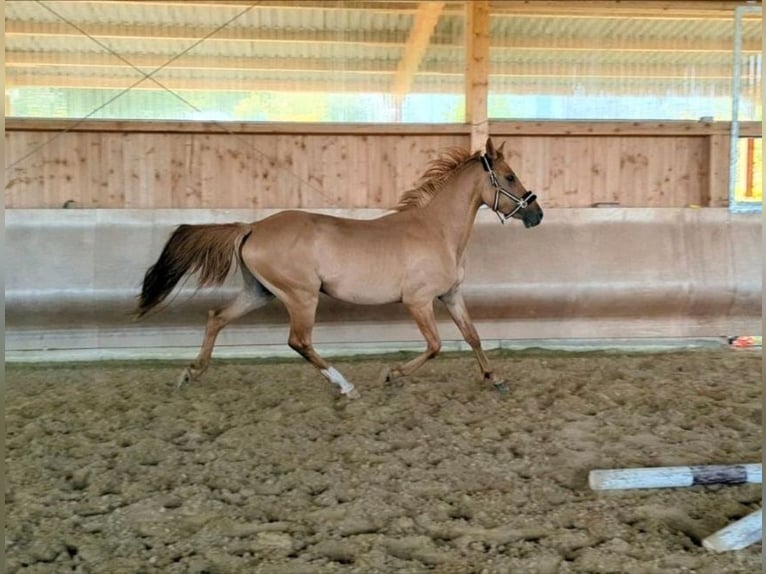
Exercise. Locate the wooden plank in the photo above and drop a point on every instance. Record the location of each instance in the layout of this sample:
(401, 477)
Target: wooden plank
(111, 176)
(25, 180)
(232, 33)
(266, 183)
(55, 125)
(716, 192)
(699, 171)
(634, 181)
(498, 128)
(353, 38)
(33, 68)
(596, 164)
(381, 171)
(620, 45)
(619, 128)
(609, 152)
(617, 9)
(676, 9)
(669, 176)
(64, 170)
(352, 82)
(477, 71)
(290, 75)
(195, 62)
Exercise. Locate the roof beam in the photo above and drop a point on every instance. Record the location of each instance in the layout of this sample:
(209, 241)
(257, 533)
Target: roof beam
(29, 64)
(548, 84)
(151, 33)
(143, 32)
(609, 44)
(377, 6)
(618, 9)
(331, 84)
(610, 9)
(425, 20)
(31, 60)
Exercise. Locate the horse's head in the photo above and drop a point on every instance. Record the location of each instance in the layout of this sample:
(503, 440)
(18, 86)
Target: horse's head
(504, 193)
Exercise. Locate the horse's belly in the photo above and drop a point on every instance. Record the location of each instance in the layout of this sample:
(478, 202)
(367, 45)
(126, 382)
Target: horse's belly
(363, 292)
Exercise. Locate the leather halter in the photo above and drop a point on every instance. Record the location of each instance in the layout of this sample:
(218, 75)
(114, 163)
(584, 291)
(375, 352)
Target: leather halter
(521, 202)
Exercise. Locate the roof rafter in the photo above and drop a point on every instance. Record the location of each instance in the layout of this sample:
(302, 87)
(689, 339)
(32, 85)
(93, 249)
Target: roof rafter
(15, 28)
(15, 73)
(553, 85)
(655, 9)
(389, 39)
(32, 60)
(426, 18)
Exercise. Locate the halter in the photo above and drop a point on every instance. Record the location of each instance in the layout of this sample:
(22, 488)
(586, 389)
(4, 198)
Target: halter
(521, 202)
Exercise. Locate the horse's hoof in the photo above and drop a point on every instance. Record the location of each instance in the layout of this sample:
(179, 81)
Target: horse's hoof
(352, 394)
(501, 387)
(185, 378)
(387, 375)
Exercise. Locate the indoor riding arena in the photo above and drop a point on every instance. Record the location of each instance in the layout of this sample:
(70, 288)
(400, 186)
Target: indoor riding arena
(382, 287)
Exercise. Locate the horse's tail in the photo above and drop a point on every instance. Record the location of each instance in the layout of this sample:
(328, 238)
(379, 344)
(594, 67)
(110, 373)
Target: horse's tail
(207, 250)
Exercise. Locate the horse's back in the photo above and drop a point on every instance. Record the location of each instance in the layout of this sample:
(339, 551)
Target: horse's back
(295, 224)
(355, 260)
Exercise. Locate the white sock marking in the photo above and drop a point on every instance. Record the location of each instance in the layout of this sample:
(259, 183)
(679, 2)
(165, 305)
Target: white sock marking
(335, 377)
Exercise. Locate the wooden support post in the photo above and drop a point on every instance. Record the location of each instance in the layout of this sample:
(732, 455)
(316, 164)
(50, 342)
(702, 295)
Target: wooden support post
(477, 71)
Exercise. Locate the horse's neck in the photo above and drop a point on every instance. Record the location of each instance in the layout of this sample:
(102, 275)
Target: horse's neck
(453, 209)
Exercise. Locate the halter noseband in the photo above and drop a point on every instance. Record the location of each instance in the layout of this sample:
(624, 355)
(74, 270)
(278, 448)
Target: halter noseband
(521, 202)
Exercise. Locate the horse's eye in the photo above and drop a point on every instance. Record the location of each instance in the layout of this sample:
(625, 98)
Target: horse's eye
(510, 178)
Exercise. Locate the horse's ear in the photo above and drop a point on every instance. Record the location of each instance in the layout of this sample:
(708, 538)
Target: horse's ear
(500, 149)
(490, 149)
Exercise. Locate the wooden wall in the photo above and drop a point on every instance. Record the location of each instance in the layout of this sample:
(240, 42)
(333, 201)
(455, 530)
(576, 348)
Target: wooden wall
(170, 164)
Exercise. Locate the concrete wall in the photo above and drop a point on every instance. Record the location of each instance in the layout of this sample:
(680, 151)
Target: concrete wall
(72, 277)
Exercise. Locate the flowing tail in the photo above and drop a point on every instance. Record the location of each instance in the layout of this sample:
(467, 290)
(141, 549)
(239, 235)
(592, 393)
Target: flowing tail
(207, 250)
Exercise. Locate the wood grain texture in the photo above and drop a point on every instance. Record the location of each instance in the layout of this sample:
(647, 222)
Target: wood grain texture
(570, 166)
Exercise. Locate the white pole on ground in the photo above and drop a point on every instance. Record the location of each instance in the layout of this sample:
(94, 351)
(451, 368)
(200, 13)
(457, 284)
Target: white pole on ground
(737, 535)
(674, 476)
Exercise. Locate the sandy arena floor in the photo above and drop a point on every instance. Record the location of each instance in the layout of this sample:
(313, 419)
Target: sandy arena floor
(260, 467)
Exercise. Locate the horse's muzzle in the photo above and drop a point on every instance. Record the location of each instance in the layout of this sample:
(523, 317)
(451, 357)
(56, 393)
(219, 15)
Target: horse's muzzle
(533, 218)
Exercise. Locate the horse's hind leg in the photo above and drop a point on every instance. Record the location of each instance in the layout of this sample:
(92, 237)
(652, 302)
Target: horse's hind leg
(253, 296)
(459, 313)
(423, 313)
(302, 310)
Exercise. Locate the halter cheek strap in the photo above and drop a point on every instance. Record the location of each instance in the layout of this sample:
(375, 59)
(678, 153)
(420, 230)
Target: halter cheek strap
(521, 202)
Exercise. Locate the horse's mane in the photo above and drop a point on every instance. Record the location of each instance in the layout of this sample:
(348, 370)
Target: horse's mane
(432, 180)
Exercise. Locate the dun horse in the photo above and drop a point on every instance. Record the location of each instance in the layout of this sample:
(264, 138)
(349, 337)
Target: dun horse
(413, 256)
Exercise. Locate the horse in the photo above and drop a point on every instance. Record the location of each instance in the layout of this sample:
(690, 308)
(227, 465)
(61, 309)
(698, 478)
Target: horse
(412, 255)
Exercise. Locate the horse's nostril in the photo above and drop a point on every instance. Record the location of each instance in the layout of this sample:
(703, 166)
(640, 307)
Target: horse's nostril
(533, 219)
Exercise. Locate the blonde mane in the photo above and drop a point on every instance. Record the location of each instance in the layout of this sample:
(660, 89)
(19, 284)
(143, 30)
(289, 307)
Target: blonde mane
(432, 180)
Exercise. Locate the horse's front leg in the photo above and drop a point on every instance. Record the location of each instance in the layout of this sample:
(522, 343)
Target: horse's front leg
(459, 313)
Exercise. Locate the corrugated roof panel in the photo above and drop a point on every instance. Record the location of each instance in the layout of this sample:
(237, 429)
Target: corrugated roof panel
(327, 42)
